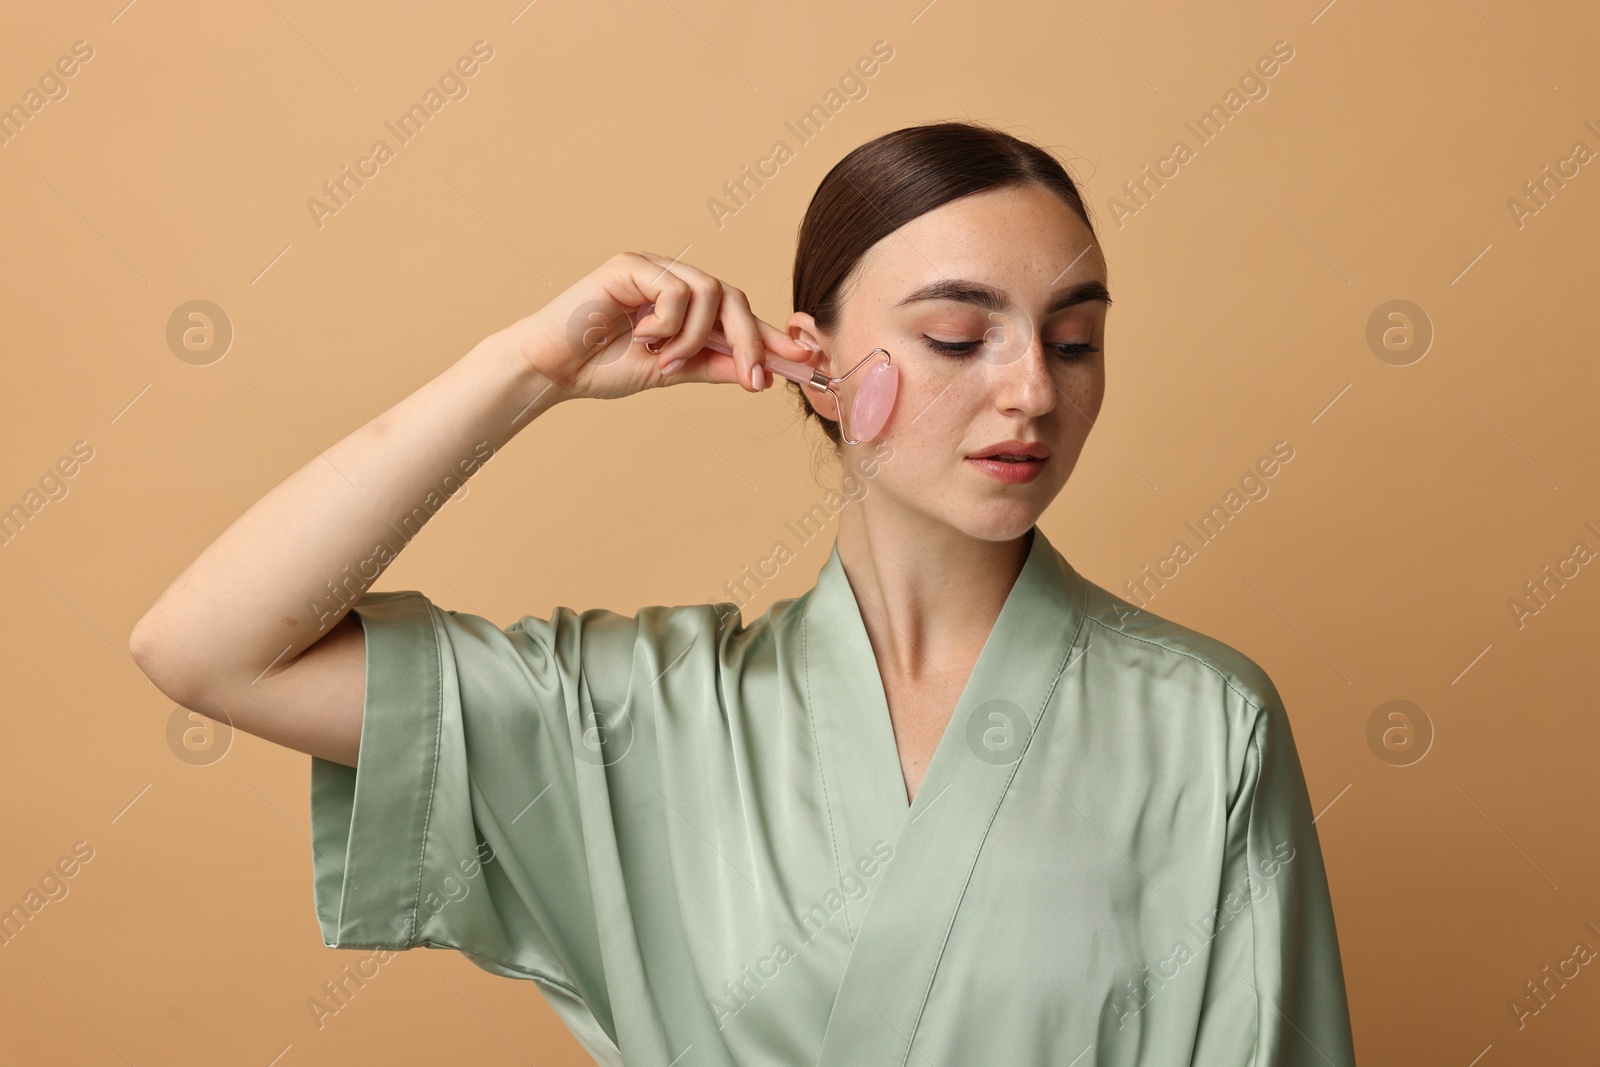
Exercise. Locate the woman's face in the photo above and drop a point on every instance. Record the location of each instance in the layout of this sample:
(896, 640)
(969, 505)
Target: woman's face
(993, 307)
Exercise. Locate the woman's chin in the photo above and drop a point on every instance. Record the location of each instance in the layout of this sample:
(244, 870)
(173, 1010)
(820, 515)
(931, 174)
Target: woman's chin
(998, 520)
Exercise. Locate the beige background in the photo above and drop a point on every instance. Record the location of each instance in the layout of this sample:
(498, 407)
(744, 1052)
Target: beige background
(1381, 565)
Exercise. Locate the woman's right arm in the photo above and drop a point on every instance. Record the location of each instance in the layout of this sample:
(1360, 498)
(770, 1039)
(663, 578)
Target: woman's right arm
(258, 626)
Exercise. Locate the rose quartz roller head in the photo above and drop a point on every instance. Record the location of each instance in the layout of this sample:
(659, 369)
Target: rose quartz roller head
(875, 391)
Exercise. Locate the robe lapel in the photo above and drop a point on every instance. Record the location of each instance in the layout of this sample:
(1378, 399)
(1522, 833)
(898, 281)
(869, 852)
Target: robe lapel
(899, 929)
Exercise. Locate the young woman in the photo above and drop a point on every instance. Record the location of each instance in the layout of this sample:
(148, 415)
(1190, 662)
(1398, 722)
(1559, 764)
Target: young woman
(955, 804)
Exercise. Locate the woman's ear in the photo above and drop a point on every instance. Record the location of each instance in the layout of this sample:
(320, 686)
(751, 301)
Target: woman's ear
(803, 330)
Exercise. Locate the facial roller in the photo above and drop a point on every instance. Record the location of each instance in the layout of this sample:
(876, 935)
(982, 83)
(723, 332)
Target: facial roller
(874, 391)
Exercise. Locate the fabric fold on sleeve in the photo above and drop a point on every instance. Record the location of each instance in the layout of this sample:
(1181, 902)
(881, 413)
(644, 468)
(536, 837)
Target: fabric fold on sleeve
(461, 827)
(367, 830)
(1275, 993)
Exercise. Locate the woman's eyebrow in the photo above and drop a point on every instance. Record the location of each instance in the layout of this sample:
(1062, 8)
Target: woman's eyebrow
(992, 299)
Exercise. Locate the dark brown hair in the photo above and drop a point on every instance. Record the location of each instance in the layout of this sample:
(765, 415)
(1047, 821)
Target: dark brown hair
(884, 184)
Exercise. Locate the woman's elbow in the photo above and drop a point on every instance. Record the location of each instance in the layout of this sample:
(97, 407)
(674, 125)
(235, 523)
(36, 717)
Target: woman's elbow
(154, 654)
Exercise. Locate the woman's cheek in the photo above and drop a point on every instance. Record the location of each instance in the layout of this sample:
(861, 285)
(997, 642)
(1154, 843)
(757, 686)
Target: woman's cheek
(1086, 391)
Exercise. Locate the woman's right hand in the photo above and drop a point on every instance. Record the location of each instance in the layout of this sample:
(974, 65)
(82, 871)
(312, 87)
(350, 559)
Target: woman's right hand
(584, 343)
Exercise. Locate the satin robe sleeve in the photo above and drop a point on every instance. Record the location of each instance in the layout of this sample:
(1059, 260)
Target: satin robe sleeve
(460, 827)
(1275, 993)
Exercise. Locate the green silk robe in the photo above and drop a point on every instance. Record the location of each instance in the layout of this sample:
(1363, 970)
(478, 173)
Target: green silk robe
(692, 835)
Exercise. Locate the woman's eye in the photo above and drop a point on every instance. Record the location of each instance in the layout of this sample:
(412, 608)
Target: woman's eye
(952, 348)
(1067, 350)
(1070, 350)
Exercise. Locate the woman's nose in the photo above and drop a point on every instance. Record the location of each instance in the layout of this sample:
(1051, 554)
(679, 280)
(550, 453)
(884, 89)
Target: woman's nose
(1022, 379)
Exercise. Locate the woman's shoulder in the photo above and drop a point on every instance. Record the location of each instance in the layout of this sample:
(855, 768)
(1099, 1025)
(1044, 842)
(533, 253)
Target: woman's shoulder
(726, 617)
(717, 625)
(1139, 636)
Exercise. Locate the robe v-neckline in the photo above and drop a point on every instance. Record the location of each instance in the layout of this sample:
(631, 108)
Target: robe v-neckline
(898, 928)
(850, 710)
(876, 691)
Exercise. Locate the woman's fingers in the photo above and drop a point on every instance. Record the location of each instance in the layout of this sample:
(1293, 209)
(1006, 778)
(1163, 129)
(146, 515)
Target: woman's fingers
(713, 367)
(582, 342)
(686, 322)
(652, 278)
(685, 315)
(780, 343)
(743, 332)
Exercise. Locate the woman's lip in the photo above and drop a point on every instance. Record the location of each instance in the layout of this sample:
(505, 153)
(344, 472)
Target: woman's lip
(1028, 449)
(1012, 473)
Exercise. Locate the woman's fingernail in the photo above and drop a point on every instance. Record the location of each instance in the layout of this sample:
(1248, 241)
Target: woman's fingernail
(673, 366)
(758, 377)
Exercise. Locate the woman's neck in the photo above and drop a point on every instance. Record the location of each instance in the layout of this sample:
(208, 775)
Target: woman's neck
(928, 593)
